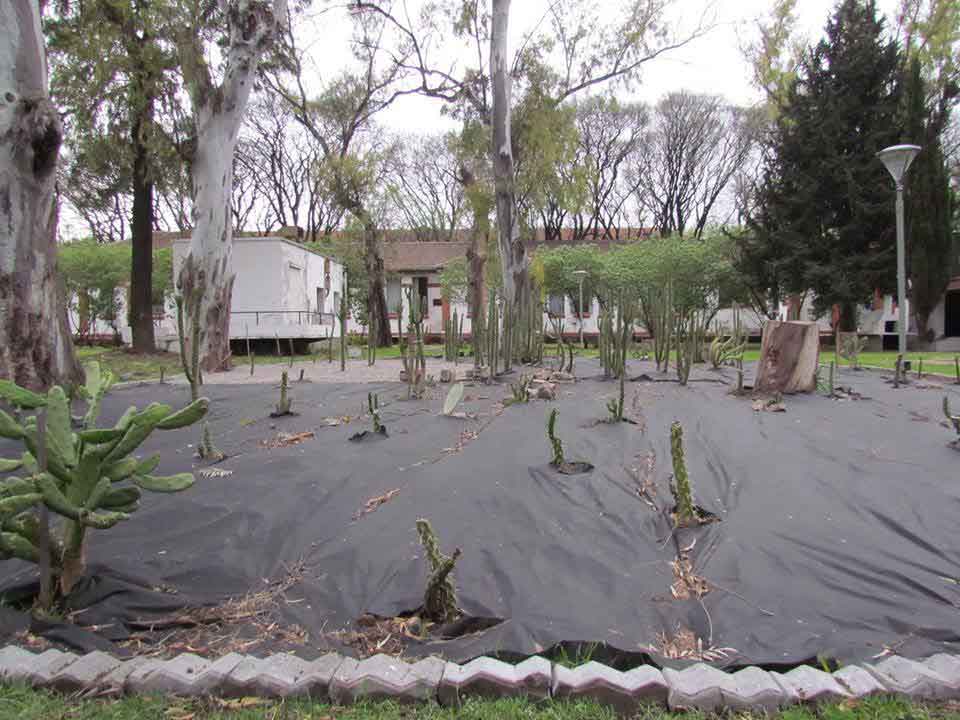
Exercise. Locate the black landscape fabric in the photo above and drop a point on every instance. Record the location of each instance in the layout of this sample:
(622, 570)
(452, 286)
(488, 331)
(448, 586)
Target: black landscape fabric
(837, 534)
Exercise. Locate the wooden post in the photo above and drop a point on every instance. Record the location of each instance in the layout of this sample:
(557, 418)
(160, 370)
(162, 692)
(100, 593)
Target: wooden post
(789, 356)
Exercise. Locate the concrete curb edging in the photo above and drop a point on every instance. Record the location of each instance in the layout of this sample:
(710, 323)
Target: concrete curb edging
(343, 680)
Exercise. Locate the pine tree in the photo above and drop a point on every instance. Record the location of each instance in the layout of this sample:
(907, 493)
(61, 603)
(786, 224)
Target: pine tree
(928, 202)
(826, 200)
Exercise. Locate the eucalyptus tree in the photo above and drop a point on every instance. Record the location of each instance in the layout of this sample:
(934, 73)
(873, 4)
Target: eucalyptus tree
(590, 50)
(36, 350)
(340, 119)
(218, 97)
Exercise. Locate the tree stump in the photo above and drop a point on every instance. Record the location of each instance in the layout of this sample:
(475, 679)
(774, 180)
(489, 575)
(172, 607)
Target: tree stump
(789, 355)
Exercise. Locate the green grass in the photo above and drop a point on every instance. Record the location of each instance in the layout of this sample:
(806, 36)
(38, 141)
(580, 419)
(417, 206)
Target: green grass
(24, 704)
(127, 365)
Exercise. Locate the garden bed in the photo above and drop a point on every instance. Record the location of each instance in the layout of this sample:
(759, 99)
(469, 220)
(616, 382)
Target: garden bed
(836, 535)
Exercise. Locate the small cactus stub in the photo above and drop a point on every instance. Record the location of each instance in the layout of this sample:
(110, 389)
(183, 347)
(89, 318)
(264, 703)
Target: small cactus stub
(440, 596)
(283, 407)
(685, 512)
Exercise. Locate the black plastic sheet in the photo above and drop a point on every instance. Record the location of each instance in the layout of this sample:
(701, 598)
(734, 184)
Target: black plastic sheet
(837, 535)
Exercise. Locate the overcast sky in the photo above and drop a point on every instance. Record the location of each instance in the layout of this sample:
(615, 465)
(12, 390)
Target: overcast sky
(712, 63)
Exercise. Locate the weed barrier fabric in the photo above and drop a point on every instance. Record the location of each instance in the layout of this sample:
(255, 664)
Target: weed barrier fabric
(837, 535)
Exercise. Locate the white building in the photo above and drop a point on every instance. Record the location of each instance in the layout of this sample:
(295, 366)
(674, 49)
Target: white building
(281, 289)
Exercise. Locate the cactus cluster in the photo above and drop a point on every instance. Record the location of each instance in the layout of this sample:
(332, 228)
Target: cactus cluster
(725, 350)
(685, 512)
(453, 338)
(520, 390)
(440, 597)
(555, 442)
(89, 477)
(615, 405)
(850, 345)
(414, 361)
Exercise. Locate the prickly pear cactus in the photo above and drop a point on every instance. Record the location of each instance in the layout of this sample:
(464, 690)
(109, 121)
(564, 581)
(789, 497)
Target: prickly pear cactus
(440, 597)
(680, 485)
(92, 478)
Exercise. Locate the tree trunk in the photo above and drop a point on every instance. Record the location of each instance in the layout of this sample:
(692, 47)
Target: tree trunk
(218, 113)
(513, 256)
(476, 258)
(141, 232)
(789, 355)
(376, 287)
(208, 268)
(36, 350)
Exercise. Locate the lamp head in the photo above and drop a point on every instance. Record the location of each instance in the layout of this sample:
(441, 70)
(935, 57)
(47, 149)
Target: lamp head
(897, 159)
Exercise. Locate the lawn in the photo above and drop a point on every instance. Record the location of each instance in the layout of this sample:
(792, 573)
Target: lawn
(129, 366)
(25, 704)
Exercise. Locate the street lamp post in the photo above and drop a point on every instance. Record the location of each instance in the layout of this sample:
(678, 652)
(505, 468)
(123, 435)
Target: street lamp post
(580, 274)
(897, 159)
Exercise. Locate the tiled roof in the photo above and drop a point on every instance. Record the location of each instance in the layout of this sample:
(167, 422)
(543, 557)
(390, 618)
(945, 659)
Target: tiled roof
(398, 256)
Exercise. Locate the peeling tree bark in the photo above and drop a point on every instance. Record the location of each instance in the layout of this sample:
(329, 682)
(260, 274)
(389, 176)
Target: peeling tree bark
(36, 350)
(218, 111)
(513, 255)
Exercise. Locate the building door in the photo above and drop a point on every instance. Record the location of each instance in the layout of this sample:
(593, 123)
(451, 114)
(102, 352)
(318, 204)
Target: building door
(423, 292)
(951, 314)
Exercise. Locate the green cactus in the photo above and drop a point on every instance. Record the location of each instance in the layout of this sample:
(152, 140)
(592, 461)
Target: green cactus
(84, 471)
(685, 512)
(440, 597)
(555, 443)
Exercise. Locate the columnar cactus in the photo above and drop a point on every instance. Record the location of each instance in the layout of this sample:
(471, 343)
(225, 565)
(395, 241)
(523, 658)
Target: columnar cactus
(680, 484)
(283, 407)
(91, 477)
(440, 597)
(555, 443)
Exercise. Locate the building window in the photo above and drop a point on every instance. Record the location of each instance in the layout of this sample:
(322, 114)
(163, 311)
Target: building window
(556, 306)
(394, 295)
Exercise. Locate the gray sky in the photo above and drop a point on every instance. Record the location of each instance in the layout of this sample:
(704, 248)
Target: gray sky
(712, 63)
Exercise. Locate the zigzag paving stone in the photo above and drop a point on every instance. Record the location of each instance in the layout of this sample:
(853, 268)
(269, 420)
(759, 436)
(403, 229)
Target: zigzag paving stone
(752, 688)
(285, 675)
(386, 677)
(13, 663)
(347, 680)
(487, 677)
(909, 677)
(695, 688)
(624, 691)
(805, 684)
(179, 675)
(85, 673)
(858, 681)
(40, 669)
(116, 679)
